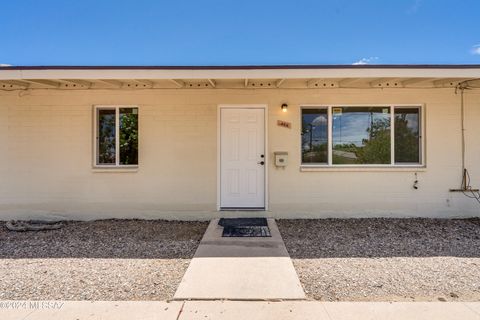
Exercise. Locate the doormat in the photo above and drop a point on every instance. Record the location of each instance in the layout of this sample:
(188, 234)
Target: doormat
(245, 227)
(243, 222)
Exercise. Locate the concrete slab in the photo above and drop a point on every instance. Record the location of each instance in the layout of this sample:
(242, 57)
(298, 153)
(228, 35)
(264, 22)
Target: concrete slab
(399, 311)
(474, 306)
(313, 310)
(253, 310)
(10, 310)
(229, 310)
(240, 269)
(97, 310)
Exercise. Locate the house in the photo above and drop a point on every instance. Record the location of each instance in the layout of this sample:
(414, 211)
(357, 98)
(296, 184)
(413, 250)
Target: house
(200, 142)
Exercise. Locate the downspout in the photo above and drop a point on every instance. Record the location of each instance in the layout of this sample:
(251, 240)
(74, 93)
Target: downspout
(462, 116)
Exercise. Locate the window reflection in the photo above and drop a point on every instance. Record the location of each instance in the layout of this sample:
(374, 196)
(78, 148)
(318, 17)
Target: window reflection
(127, 143)
(314, 136)
(407, 135)
(361, 135)
(106, 136)
(128, 136)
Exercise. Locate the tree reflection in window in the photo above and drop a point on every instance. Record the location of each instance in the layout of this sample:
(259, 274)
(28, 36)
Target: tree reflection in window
(106, 136)
(361, 135)
(127, 145)
(128, 136)
(407, 135)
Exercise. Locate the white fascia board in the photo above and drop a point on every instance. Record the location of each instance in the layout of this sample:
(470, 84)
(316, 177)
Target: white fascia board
(241, 74)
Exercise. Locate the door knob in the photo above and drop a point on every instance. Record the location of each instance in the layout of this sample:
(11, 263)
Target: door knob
(261, 162)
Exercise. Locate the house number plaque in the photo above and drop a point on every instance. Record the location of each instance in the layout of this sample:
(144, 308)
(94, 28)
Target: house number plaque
(284, 124)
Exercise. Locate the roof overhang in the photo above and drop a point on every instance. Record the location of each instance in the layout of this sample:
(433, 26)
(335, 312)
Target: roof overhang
(295, 76)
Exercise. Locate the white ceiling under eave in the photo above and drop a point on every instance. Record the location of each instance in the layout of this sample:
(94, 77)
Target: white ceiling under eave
(224, 78)
(310, 83)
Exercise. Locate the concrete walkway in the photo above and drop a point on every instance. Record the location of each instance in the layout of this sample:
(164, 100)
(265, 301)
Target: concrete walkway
(229, 310)
(240, 269)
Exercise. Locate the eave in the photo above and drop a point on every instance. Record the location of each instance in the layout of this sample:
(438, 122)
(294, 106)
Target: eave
(218, 77)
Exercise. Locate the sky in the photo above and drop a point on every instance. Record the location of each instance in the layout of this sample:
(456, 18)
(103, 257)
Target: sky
(241, 32)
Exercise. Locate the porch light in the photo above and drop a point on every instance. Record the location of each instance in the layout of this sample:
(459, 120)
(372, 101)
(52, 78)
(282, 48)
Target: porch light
(284, 107)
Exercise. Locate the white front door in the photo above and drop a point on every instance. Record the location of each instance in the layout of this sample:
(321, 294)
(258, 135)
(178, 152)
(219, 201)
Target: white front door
(242, 158)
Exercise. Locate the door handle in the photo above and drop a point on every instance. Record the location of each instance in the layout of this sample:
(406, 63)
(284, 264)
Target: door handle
(261, 162)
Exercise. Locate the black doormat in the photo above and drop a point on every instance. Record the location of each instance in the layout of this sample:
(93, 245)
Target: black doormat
(244, 227)
(243, 222)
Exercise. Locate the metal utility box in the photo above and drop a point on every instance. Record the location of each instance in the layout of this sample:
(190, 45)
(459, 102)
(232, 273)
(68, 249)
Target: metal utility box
(281, 158)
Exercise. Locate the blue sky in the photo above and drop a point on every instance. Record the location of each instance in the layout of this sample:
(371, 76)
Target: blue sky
(241, 32)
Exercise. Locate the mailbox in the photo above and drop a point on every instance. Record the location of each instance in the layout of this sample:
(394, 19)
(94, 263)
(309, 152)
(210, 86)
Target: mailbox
(281, 158)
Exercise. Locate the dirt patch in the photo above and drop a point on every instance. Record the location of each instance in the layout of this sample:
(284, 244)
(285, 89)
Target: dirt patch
(386, 259)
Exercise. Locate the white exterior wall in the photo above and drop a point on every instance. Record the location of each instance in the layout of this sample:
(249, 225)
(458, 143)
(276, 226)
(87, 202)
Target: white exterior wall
(46, 156)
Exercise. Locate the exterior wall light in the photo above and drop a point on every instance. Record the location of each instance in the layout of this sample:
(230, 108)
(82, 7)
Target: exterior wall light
(284, 107)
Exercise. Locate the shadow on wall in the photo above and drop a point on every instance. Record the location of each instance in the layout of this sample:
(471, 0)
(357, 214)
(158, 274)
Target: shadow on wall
(377, 237)
(108, 239)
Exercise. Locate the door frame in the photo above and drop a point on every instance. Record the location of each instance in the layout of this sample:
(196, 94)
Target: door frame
(219, 151)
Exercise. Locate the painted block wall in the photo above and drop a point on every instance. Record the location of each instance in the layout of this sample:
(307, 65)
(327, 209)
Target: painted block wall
(46, 141)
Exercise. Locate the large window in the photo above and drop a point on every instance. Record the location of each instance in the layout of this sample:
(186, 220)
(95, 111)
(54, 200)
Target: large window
(116, 136)
(361, 135)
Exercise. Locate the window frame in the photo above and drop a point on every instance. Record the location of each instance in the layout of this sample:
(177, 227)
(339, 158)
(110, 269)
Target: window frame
(117, 164)
(392, 164)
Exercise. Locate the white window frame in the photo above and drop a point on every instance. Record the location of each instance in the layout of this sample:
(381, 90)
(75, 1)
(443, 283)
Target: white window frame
(392, 164)
(117, 164)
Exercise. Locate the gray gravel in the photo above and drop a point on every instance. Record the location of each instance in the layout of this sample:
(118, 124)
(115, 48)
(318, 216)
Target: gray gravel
(386, 259)
(99, 260)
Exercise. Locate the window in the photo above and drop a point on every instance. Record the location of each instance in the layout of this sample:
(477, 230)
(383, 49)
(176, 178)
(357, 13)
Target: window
(407, 135)
(361, 135)
(116, 136)
(315, 136)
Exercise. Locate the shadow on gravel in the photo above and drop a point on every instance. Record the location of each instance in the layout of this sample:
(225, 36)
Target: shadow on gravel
(375, 237)
(123, 239)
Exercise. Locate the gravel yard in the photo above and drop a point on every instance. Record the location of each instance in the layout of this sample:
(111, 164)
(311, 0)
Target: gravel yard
(386, 259)
(98, 260)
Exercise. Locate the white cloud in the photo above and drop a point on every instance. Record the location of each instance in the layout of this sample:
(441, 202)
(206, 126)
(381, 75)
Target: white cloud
(365, 61)
(5, 65)
(476, 49)
(320, 120)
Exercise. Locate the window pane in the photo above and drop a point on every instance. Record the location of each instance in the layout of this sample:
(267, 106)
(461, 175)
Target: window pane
(128, 136)
(106, 136)
(407, 135)
(361, 135)
(314, 136)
